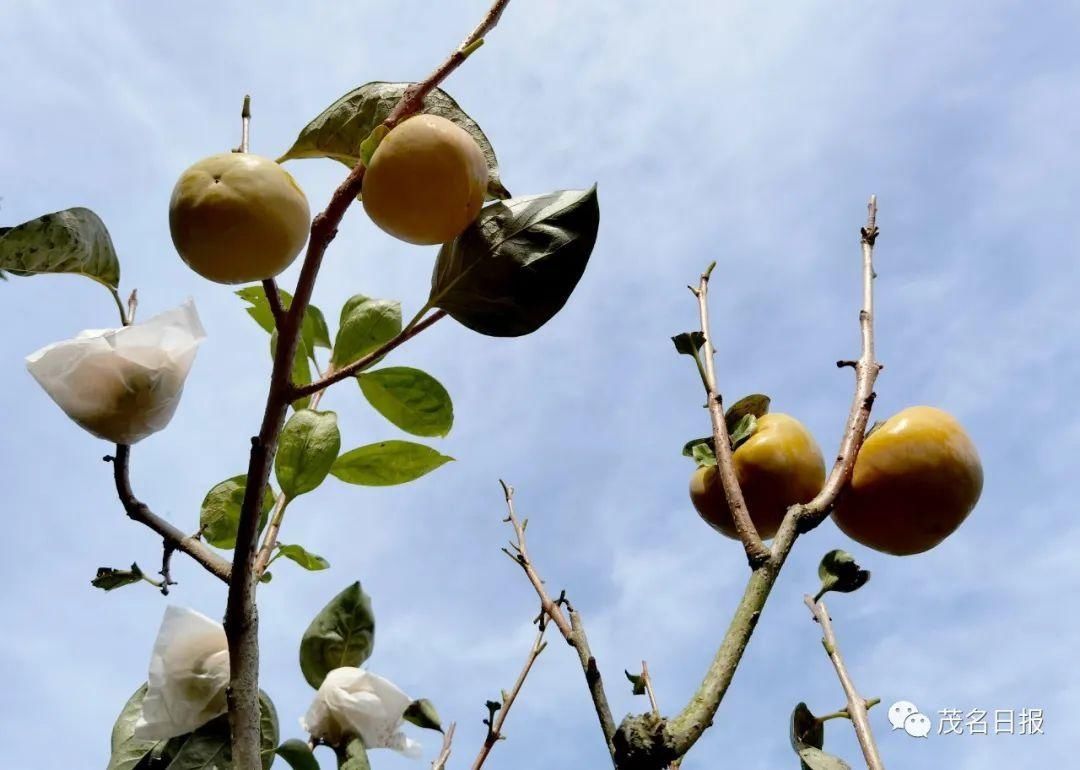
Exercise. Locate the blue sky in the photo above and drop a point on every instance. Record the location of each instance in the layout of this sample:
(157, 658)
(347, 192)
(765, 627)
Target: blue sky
(747, 133)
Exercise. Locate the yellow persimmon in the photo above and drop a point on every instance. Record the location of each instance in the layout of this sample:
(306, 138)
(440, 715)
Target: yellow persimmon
(916, 479)
(237, 217)
(778, 466)
(426, 181)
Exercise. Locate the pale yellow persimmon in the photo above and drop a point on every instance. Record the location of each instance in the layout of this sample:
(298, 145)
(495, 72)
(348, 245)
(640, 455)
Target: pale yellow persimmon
(916, 479)
(778, 466)
(237, 218)
(426, 181)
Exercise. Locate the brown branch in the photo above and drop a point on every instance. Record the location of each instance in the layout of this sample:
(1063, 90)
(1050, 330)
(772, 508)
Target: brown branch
(856, 705)
(439, 763)
(495, 725)
(756, 551)
(638, 743)
(173, 538)
(273, 299)
(364, 362)
(572, 630)
(241, 616)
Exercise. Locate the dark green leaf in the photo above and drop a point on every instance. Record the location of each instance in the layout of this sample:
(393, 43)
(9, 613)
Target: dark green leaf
(515, 267)
(638, 683)
(366, 325)
(353, 756)
(807, 738)
(127, 750)
(743, 430)
(309, 444)
(70, 241)
(839, 572)
(301, 368)
(411, 399)
(220, 514)
(208, 748)
(304, 558)
(755, 404)
(109, 579)
(422, 713)
(342, 634)
(298, 754)
(688, 343)
(688, 447)
(387, 463)
(341, 129)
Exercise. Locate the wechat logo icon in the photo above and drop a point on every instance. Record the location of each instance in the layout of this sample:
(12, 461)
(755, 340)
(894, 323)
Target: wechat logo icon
(904, 715)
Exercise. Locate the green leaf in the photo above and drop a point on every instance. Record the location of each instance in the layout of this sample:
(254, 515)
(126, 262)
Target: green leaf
(308, 446)
(839, 572)
(209, 747)
(109, 579)
(366, 325)
(341, 129)
(353, 756)
(688, 343)
(220, 514)
(514, 268)
(70, 241)
(313, 329)
(411, 399)
(422, 713)
(755, 404)
(807, 738)
(637, 681)
(342, 634)
(301, 368)
(387, 463)
(700, 450)
(304, 558)
(743, 430)
(298, 754)
(127, 750)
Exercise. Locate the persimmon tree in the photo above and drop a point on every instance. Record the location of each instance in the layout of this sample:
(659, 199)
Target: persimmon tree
(427, 174)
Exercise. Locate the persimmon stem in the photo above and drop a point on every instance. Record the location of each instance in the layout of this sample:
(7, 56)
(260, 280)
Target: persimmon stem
(245, 125)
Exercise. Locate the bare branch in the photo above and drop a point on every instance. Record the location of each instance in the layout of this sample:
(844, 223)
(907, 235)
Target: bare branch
(573, 630)
(756, 552)
(132, 306)
(495, 725)
(856, 706)
(273, 299)
(439, 763)
(241, 617)
(173, 538)
(637, 742)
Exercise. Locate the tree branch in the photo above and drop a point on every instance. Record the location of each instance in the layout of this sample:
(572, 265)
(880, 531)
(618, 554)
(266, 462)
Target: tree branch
(439, 763)
(173, 538)
(856, 704)
(273, 299)
(756, 552)
(639, 741)
(495, 726)
(241, 615)
(572, 630)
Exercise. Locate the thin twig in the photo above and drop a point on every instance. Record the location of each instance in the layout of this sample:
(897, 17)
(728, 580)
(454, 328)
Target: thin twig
(241, 616)
(573, 630)
(756, 551)
(138, 511)
(495, 725)
(856, 704)
(362, 363)
(132, 306)
(273, 299)
(245, 125)
(646, 679)
(439, 763)
(167, 550)
(682, 731)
